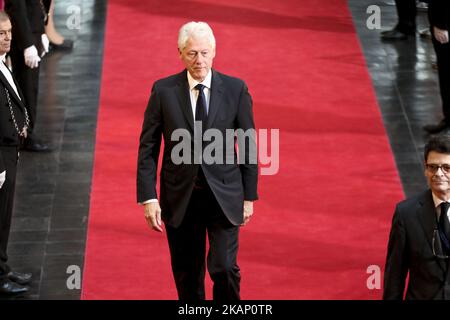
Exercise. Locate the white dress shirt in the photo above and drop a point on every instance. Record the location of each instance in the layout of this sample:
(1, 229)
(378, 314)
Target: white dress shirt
(437, 203)
(7, 73)
(193, 93)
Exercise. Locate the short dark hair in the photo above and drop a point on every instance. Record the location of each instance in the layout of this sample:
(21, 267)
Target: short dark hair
(440, 144)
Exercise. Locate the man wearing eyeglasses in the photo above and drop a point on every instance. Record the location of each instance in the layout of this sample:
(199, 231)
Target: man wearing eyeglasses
(419, 239)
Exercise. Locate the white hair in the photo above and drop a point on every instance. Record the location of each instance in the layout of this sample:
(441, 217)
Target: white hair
(195, 30)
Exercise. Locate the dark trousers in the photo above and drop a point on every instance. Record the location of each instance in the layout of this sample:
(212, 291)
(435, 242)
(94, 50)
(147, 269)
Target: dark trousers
(443, 62)
(406, 11)
(10, 159)
(187, 245)
(28, 80)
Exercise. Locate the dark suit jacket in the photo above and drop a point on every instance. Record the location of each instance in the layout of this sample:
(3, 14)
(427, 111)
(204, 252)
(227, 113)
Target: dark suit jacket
(47, 4)
(439, 13)
(169, 108)
(410, 249)
(8, 133)
(27, 19)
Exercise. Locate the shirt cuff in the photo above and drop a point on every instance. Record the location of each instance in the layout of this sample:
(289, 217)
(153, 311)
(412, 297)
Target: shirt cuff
(148, 201)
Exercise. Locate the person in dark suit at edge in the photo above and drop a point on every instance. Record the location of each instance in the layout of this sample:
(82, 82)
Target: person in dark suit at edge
(199, 199)
(14, 122)
(406, 25)
(439, 17)
(29, 45)
(419, 241)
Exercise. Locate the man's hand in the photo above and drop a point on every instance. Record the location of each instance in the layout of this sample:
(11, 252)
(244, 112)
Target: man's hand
(2, 178)
(152, 212)
(248, 211)
(24, 132)
(31, 57)
(440, 35)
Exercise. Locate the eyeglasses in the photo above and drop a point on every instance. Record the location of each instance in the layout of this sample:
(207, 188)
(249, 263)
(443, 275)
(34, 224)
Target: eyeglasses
(438, 251)
(433, 168)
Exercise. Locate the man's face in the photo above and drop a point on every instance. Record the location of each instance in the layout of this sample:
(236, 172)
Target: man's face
(5, 36)
(437, 178)
(198, 56)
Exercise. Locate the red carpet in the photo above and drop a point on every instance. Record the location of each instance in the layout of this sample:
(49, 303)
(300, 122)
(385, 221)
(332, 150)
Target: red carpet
(322, 220)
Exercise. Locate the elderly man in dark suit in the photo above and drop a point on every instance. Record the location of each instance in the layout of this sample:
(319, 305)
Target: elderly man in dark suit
(14, 122)
(419, 242)
(439, 16)
(29, 45)
(199, 196)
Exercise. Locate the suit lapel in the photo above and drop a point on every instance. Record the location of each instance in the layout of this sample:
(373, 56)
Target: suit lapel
(182, 93)
(215, 99)
(427, 215)
(11, 90)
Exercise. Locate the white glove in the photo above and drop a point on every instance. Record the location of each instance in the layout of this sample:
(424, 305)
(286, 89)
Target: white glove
(31, 57)
(45, 44)
(2, 178)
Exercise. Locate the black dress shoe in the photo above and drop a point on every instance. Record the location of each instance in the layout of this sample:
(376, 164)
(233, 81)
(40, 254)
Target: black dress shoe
(395, 34)
(10, 287)
(20, 278)
(422, 6)
(66, 45)
(425, 33)
(35, 146)
(436, 128)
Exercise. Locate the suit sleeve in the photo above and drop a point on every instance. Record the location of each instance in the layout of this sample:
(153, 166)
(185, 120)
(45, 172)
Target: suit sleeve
(47, 4)
(149, 148)
(439, 13)
(397, 264)
(248, 159)
(2, 164)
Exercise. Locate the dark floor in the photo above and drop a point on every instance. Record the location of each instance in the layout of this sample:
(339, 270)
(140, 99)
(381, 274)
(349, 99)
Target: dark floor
(52, 195)
(52, 199)
(406, 86)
